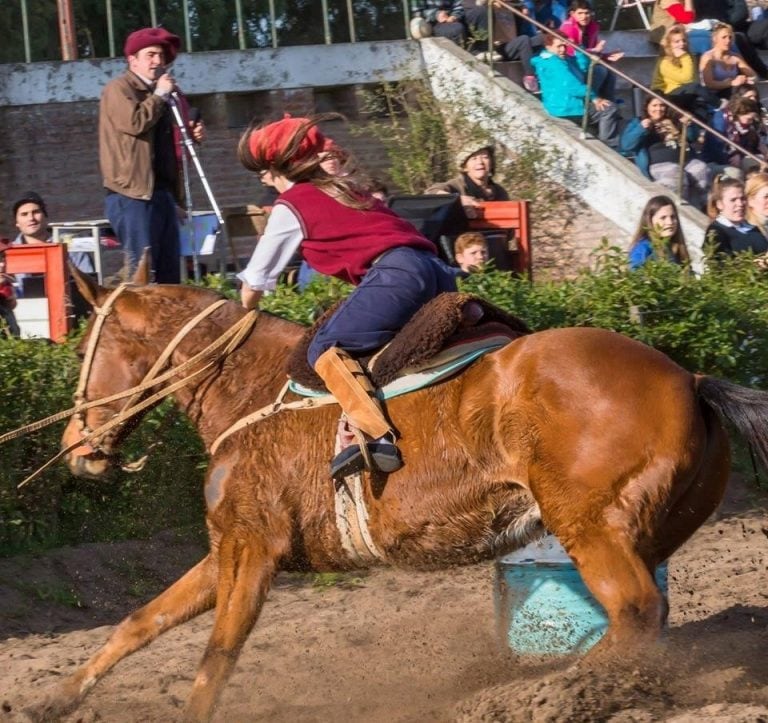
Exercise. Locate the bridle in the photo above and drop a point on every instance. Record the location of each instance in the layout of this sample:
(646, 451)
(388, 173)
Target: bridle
(99, 441)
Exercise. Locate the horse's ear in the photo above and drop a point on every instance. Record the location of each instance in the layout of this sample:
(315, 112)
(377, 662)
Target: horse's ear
(141, 275)
(85, 285)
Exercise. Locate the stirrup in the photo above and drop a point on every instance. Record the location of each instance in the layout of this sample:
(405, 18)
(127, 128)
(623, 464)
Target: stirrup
(383, 456)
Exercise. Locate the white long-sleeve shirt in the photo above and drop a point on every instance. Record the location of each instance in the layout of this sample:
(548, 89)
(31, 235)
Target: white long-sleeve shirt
(275, 248)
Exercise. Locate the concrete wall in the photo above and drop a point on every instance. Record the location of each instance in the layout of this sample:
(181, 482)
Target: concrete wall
(222, 71)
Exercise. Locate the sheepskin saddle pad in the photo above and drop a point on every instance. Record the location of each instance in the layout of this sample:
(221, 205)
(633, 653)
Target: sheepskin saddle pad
(445, 335)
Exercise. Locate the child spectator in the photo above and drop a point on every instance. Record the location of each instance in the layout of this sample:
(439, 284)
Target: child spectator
(582, 29)
(470, 251)
(659, 228)
(730, 233)
(563, 91)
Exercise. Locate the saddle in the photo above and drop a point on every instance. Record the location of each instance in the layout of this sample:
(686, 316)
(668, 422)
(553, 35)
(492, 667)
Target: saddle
(453, 319)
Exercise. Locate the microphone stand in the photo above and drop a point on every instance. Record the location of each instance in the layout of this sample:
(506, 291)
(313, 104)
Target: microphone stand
(189, 145)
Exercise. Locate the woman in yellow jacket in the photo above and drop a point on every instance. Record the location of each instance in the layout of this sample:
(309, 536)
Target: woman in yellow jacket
(675, 76)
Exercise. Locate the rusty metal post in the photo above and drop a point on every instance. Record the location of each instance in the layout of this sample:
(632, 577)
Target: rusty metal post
(683, 149)
(587, 99)
(67, 30)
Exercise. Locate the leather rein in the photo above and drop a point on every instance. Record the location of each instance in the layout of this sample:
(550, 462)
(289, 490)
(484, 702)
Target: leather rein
(99, 440)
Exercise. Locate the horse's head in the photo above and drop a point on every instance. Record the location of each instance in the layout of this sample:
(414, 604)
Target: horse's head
(114, 358)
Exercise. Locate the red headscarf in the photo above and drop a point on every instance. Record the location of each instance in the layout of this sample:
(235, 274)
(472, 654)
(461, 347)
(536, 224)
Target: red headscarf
(272, 140)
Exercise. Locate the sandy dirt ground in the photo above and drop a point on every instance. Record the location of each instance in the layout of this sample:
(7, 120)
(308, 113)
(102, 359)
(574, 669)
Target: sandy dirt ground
(391, 645)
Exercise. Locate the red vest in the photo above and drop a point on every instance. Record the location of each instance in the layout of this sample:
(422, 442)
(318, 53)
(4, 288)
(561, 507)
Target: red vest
(342, 241)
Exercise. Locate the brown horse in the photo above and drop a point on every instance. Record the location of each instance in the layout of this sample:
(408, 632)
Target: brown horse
(604, 441)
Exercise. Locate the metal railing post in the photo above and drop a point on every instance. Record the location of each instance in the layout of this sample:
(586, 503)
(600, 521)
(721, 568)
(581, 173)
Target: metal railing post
(351, 18)
(683, 149)
(25, 31)
(272, 22)
(153, 13)
(490, 35)
(240, 24)
(110, 29)
(187, 29)
(407, 19)
(587, 99)
(326, 22)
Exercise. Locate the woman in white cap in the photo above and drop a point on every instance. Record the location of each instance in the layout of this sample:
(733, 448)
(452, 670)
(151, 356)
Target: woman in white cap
(475, 182)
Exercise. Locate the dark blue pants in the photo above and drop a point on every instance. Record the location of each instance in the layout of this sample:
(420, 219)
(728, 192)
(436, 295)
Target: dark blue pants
(393, 290)
(139, 223)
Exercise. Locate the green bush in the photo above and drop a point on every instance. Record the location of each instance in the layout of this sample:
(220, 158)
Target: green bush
(717, 324)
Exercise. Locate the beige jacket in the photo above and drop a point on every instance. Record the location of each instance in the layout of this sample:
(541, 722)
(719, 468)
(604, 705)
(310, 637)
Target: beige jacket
(128, 113)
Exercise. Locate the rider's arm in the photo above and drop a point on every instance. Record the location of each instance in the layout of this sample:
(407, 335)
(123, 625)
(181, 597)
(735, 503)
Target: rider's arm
(273, 251)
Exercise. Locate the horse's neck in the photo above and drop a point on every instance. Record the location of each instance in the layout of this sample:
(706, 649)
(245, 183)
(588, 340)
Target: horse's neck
(249, 379)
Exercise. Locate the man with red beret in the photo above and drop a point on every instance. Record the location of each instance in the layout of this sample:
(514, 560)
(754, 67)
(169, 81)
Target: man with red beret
(140, 153)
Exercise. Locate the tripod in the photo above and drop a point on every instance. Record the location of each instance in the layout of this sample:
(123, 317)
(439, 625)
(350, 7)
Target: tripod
(191, 153)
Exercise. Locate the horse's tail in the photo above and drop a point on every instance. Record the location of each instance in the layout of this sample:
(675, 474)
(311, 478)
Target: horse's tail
(746, 409)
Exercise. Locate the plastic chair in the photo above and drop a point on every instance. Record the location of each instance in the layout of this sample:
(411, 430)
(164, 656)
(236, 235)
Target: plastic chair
(624, 4)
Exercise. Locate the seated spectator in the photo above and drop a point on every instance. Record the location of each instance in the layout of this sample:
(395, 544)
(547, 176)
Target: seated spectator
(655, 139)
(8, 324)
(31, 218)
(564, 91)
(699, 20)
(741, 122)
(675, 76)
(470, 251)
(730, 233)
(475, 183)
(721, 69)
(749, 35)
(659, 229)
(445, 17)
(582, 29)
(551, 13)
(756, 192)
(512, 47)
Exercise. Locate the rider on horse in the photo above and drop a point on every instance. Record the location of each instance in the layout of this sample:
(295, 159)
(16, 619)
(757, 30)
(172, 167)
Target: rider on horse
(341, 231)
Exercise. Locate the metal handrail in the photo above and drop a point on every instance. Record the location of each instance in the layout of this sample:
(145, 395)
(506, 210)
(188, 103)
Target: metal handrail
(596, 60)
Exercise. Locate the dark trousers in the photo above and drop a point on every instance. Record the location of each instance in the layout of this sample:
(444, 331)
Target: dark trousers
(139, 223)
(393, 290)
(696, 99)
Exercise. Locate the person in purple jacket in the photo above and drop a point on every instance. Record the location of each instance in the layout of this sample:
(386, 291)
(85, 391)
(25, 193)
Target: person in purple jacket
(342, 231)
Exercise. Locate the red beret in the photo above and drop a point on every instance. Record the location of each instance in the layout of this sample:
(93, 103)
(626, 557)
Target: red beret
(267, 142)
(140, 39)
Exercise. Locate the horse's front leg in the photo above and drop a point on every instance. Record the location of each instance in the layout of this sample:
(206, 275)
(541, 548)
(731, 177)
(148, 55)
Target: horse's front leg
(189, 596)
(247, 563)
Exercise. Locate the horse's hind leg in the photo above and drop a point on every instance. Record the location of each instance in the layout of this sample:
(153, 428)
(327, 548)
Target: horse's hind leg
(189, 596)
(247, 563)
(622, 583)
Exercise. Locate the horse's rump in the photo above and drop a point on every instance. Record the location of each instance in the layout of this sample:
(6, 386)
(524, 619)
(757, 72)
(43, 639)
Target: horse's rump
(448, 319)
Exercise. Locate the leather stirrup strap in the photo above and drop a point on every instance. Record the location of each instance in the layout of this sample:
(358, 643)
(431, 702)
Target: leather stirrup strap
(347, 381)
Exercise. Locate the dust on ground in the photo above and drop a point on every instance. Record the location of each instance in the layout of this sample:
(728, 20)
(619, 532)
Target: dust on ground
(390, 645)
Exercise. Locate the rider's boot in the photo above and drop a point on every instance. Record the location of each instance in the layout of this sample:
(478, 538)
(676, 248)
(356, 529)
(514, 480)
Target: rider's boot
(347, 381)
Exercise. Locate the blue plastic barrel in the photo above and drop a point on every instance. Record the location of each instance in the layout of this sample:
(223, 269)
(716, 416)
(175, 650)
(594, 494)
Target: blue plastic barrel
(542, 605)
